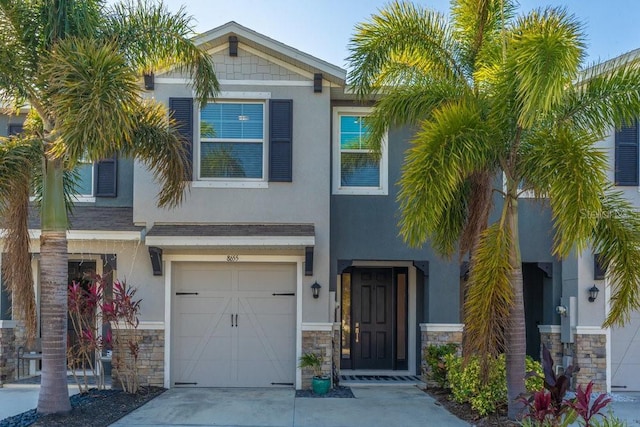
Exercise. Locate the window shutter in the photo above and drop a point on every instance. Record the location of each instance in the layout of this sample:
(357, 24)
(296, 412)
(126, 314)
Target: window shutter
(181, 110)
(627, 155)
(15, 129)
(107, 177)
(280, 138)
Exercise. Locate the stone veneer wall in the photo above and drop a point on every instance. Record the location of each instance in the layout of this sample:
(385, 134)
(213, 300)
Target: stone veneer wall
(322, 342)
(7, 353)
(438, 334)
(150, 358)
(550, 337)
(590, 353)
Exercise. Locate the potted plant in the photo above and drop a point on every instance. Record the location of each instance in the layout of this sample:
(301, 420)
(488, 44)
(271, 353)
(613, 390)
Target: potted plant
(320, 383)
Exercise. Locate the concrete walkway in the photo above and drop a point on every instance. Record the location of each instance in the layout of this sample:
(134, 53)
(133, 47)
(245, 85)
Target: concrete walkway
(373, 406)
(17, 398)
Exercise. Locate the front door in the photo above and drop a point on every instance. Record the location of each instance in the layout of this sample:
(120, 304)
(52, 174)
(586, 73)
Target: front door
(372, 333)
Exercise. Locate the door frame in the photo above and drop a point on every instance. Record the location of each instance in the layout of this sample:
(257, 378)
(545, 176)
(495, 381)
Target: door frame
(412, 327)
(277, 259)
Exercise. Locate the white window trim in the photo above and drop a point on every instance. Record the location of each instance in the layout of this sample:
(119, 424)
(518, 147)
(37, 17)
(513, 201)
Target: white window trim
(526, 194)
(383, 189)
(235, 98)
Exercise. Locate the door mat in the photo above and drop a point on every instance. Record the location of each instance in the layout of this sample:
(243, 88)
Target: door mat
(381, 378)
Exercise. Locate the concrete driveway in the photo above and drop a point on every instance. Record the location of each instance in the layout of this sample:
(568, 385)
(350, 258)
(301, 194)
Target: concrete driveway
(373, 406)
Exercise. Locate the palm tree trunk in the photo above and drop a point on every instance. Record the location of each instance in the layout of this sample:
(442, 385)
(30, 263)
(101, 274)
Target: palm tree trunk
(54, 395)
(515, 333)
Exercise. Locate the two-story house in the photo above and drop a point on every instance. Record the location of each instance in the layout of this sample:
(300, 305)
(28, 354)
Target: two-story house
(287, 240)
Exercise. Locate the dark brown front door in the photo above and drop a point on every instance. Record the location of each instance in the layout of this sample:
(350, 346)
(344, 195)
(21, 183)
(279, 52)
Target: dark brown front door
(372, 322)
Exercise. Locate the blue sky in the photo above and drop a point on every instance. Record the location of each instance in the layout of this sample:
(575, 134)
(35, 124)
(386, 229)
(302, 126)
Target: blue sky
(323, 28)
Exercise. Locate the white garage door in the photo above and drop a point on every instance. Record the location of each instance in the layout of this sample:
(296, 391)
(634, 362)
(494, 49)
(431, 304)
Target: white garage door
(625, 357)
(233, 324)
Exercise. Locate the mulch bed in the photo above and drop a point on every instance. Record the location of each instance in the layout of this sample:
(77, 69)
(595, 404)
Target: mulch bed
(464, 411)
(96, 408)
(338, 391)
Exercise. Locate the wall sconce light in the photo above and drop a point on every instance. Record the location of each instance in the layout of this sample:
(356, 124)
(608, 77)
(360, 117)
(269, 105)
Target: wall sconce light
(315, 288)
(593, 293)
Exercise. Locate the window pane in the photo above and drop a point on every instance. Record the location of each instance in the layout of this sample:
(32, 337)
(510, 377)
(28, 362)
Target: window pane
(351, 132)
(346, 316)
(359, 170)
(232, 121)
(85, 179)
(231, 160)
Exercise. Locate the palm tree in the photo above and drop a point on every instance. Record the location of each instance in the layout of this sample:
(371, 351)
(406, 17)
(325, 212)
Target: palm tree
(494, 94)
(77, 65)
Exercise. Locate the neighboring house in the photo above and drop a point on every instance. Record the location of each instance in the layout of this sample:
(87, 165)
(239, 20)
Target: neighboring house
(284, 196)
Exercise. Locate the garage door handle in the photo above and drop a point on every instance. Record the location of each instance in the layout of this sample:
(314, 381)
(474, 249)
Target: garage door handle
(186, 293)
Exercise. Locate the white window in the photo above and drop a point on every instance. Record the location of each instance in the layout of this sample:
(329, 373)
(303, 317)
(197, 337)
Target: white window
(355, 169)
(232, 142)
(85, 173)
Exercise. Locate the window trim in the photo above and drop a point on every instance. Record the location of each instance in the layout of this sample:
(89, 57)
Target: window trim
(234, 98)
(337, 188)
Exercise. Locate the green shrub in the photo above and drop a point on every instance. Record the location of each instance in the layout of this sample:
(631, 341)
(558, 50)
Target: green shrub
(436, 366)
(467, 386)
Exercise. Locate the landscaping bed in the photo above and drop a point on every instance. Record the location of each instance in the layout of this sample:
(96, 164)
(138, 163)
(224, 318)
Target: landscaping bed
(466, 413)
(96, 408)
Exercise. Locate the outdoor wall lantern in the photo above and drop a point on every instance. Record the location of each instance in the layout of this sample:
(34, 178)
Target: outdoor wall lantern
(593, 293)
(315, 288)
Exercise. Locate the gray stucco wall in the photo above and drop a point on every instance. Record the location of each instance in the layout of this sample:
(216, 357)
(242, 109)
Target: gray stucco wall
(365, 228)
(304, 200)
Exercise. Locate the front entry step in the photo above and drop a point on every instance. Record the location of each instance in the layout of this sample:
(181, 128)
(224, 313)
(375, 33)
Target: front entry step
(394, 380)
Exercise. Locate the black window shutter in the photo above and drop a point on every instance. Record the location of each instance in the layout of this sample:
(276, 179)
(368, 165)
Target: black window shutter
(107, 177)
(15, 129)
(281, 139)
(627, 155)
(181, 110)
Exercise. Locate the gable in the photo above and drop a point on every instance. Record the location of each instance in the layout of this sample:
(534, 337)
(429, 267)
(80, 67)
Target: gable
(251, 65)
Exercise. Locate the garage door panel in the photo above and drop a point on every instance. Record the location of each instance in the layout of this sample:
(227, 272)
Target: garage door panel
(285, 305)
(625, 355)
(268, 277)
(199, 277)
(213, 350)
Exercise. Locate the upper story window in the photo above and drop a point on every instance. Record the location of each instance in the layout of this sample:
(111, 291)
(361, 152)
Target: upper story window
(232, 143)
(355, 169)
(85, 174)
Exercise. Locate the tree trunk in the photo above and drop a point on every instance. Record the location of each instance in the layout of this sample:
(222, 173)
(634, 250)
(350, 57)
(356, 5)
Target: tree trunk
(516, 346)
(54, 395)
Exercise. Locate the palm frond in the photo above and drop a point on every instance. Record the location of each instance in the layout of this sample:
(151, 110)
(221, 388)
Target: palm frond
(479, 25)
(545, 52)
(617, 239)
(402, 32)
(408, 106)
(17, 49)
(449, 148)
(489, 293)
(479, 205)
(154, 39)
(89, 82)
(564, 163)
(156, 143)
(605, 94)
(18, 158)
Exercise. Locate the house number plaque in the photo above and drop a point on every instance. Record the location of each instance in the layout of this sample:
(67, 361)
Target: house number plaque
(232, 258)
